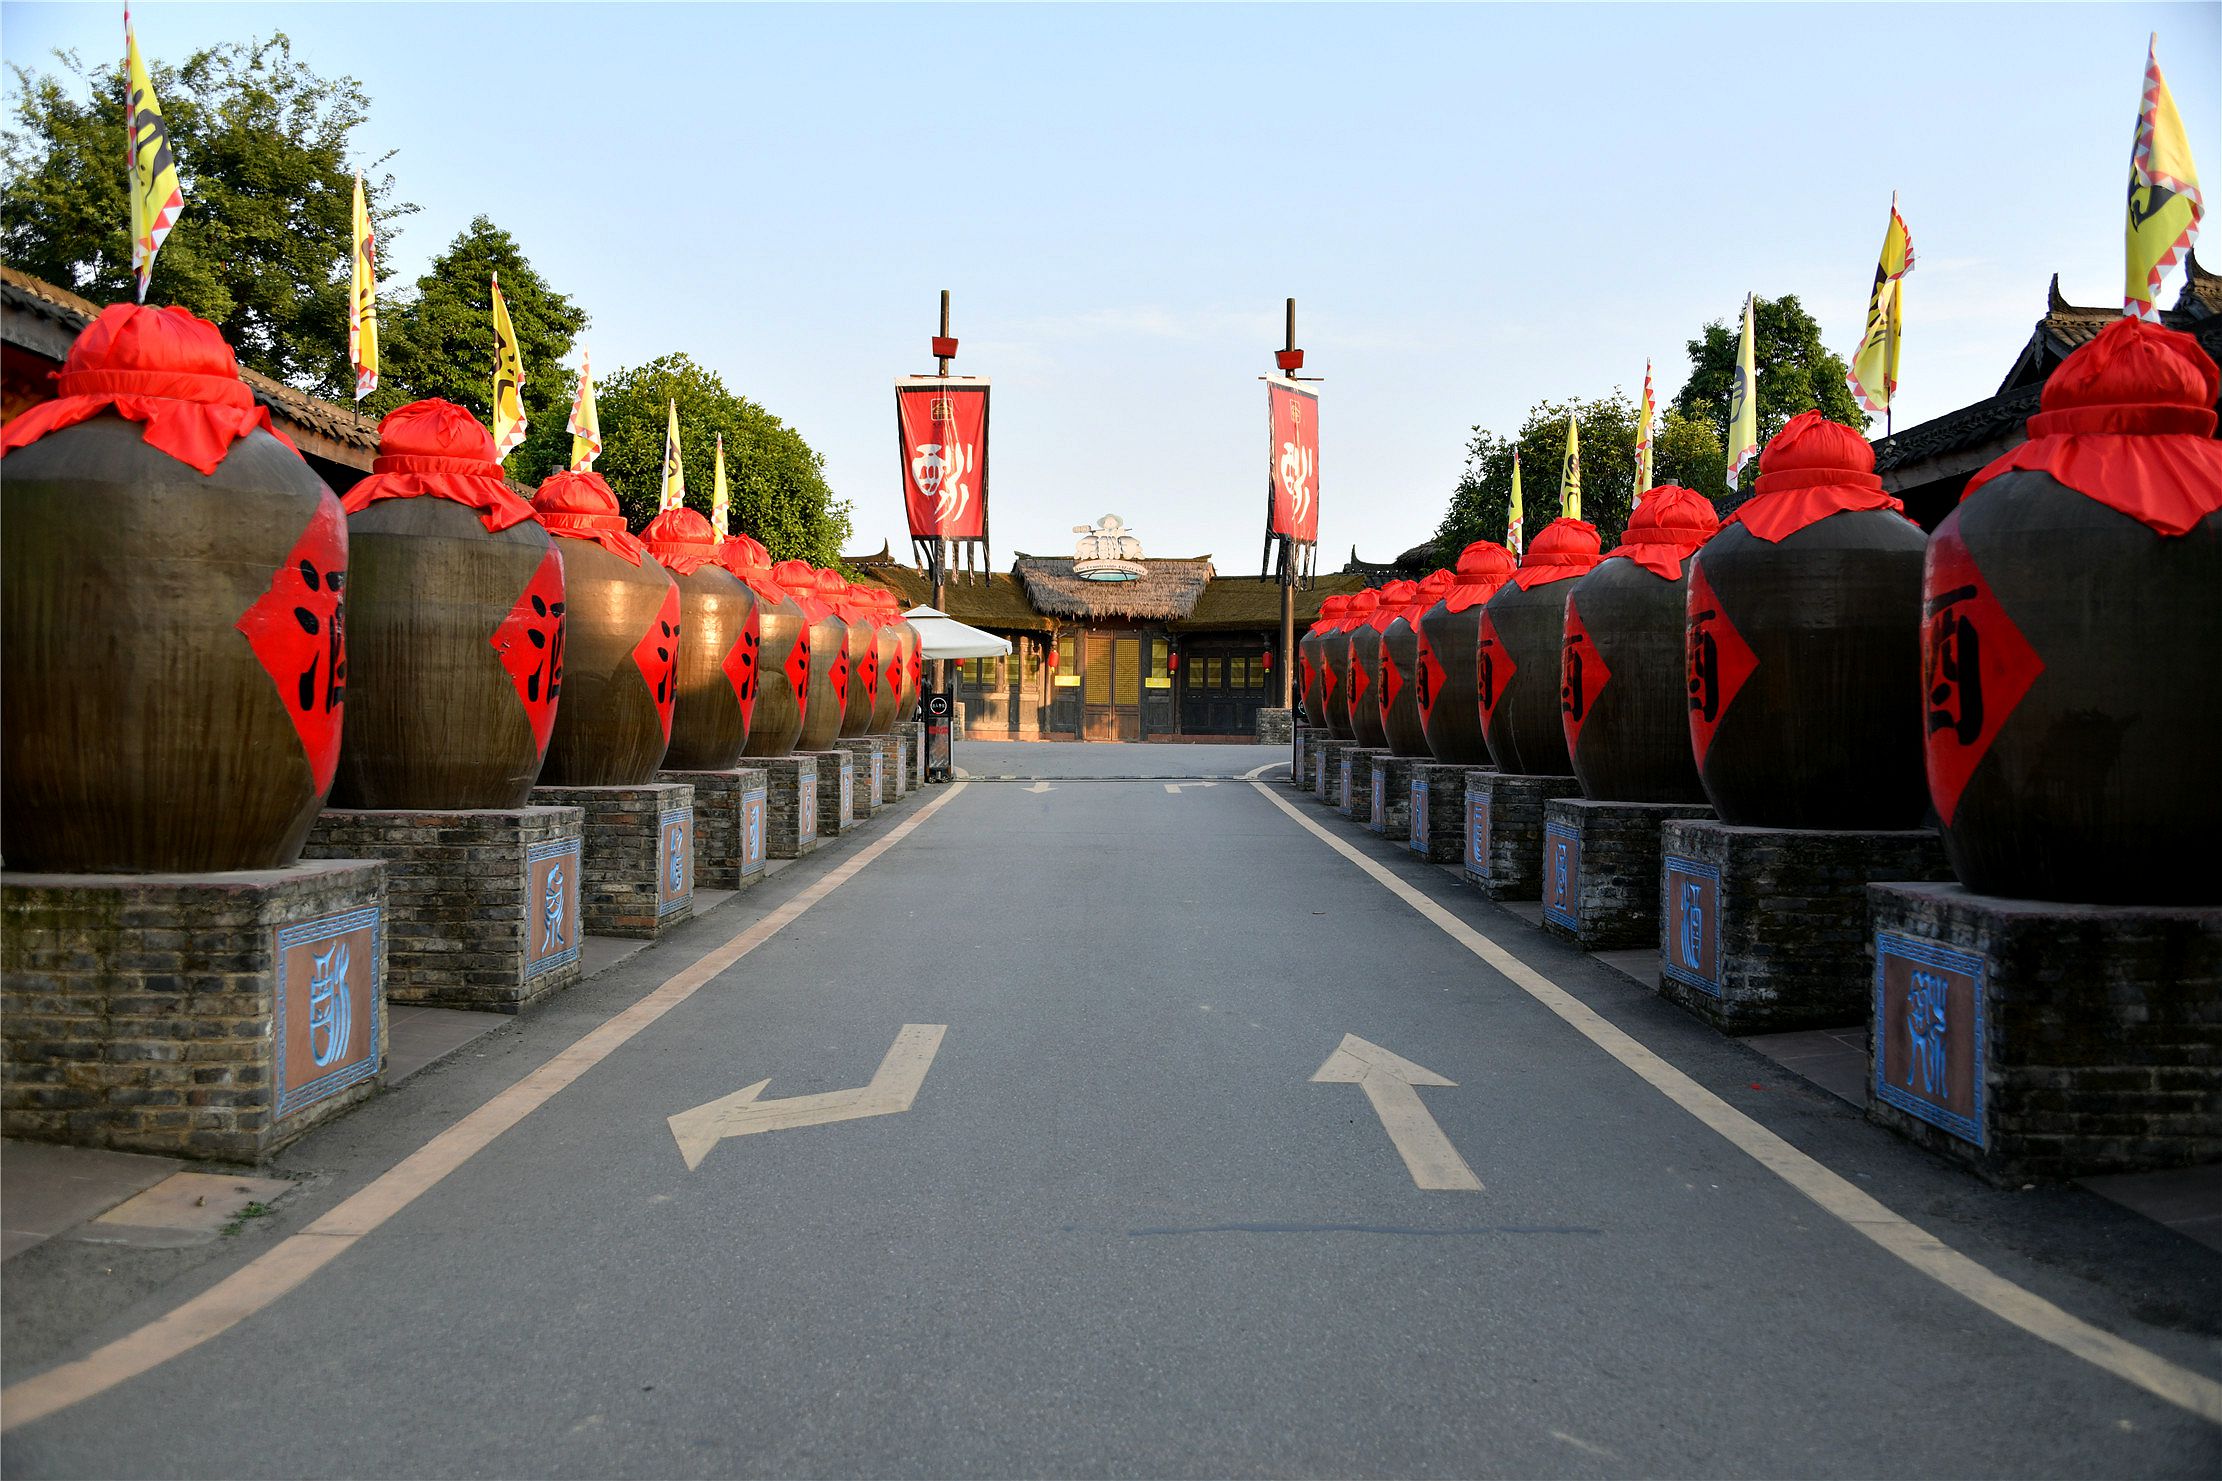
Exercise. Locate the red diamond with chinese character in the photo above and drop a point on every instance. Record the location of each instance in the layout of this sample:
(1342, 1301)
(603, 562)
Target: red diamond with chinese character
(657, 657)
(740, 665)
(1718, 661)
(1975, 667)
(297, 629)
(529, 642)
(1582, 676)
(1493, 669)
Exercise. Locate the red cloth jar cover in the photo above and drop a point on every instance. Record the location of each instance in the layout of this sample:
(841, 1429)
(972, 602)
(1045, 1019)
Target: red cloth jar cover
(1432, 588)
(1669, 524)
(1358, 611)
(2128, 420)
(682, 540)
(161, 367)
(1482, 567)
(746, 557)
(1394, 598)
(800, 581)
(1332, 611)
(582, 506)
(437, 450)
(1565, 549)
(1811, 469)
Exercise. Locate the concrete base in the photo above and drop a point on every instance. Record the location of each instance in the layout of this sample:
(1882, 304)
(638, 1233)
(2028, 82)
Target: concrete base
(1327, 769)
(1274, 726)
(2027, 1038)
(730, 810)
(836, 792)
(868, 776)
(1436, 803)
(637, 875)
(1354, 791)
(1389, 807)
(482, 907)
(791, 810)
(1504, 830)
(1600, 887)
(196, 1015)
(1762, 930)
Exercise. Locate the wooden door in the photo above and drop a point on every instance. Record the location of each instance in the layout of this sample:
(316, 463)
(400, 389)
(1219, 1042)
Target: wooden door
(1126, 688)
(1100, 712)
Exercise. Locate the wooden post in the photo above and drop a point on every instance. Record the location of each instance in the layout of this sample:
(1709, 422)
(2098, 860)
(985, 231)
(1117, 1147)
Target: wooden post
(1288, 586)
(941, 547)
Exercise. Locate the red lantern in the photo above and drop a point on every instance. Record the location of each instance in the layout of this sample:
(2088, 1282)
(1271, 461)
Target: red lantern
(1172, 664)
(1269, 660)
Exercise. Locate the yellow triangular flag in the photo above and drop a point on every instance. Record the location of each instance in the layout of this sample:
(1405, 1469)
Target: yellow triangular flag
(717, 492)
(1513, 517)
(585, 425)
(2164, 201)
(1644, 415)
(1873, 376)
(1570, 474)
(675, 469)
(156, 195)
(509, 380)
(362, 301)
(1743, 403)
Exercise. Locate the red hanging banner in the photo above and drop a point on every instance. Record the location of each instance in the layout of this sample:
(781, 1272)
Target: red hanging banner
(1293, 461)
(942, 426)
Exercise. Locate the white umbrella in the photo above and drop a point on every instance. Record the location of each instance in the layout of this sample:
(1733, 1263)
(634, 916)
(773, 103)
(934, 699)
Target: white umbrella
(942, 636)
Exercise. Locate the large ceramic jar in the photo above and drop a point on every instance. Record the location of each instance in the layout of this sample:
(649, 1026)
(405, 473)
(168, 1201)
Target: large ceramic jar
(171, 580)
(1360, 644)
(456, 624)
(1622, 696)
(2072, 646)
(1516, 655)
(1369, 646)
(1803, 652)
(1334, 667)
(884, 684)
(1450, 638)
(721, 645)
(828, 639)
(621, 660)
(907, 660)
(783, 660)
(857, 647)
(1320, 694)
(1400, 667)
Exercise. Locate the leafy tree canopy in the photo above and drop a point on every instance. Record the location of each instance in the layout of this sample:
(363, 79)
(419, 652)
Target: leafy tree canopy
(1796, 373)
(1480, 503)
(263, 244)
(775, 481)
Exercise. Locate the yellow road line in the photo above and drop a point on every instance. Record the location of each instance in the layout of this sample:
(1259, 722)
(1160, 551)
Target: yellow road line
(294, 1259)
(1901, 1237)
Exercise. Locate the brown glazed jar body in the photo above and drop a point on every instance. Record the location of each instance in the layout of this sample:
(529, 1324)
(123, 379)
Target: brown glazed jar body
(140, 733)
(2099, 782)
(1400, 712)
(1453, 722)
(609, 728)
(1630, 738)
(856, 703)
(887, 653)
(1364, 689)
(1523, 729)
(821, 717)
(717, 615)
(1334, 684)
(433, 719)
(778, 719)
(1307, 677)
(907, 671)
(1824, 730)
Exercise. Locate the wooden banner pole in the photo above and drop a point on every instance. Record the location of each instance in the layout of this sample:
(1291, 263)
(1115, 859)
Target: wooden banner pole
(1288, 585)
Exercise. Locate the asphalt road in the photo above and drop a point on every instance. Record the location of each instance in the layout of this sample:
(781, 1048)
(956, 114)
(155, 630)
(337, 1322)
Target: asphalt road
(1121, 1231)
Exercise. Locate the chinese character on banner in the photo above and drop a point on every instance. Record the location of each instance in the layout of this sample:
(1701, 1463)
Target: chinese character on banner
(1293, 458)
(942, 426)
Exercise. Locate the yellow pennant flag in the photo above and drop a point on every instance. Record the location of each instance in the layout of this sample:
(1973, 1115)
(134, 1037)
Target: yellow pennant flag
(718, 504)
(1513, 516)
(675, 469)
(509, 380)
(1570, 474)
(1644, 415)
(156, 195)
(1873, 376)
(1743, 403)
(585, 425)
(362, 301)
(2164, 201)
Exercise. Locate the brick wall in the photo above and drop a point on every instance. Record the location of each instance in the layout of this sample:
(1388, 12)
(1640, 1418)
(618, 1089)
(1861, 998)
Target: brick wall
(638, 841)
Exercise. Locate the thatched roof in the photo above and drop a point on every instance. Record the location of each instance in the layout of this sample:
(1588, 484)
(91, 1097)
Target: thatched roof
(1167, 593)
(992, 601)
(1249, 603)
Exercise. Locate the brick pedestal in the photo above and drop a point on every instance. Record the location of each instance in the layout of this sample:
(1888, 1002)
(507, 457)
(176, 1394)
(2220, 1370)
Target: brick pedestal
(1504, 830)
(899, 784)
(915, 732)
(1436, 803)
(638, 874)
(1274, 726)
(2026, 1038)
(1389, 805)
(729, 825)
(791, 808)
(836, 792)
(482, 907)
(1354, 790)
(1300, 772)
(1600, 886)
(1765, 929)
(867, 776)
(194, 1015)
(1327, 770)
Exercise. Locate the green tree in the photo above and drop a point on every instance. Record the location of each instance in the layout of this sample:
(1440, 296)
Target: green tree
(263, 244)
(1483, 497)
(440, 342)
(1687, 451)
(1796, 373)
(775, 480)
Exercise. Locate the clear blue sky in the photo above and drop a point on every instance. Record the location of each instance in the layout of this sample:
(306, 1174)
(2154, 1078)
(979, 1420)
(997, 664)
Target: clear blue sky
(1475, 206)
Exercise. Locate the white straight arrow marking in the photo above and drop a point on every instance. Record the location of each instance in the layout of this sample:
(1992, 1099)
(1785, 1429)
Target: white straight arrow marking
(894, 1086)
(1390, 1081)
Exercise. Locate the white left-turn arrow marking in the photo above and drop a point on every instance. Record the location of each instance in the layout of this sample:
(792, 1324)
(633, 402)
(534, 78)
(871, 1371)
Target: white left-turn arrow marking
(894, 1086)
(1389, 1081)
